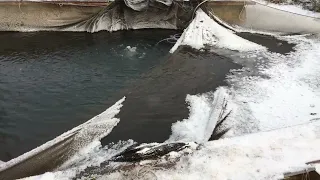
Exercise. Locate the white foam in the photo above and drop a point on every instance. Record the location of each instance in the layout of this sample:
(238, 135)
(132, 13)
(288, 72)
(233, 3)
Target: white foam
(205, 112)
(131, 51)
(204, 31)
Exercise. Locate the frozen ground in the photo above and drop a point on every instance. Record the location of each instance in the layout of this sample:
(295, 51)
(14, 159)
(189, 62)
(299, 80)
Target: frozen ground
(274, 124)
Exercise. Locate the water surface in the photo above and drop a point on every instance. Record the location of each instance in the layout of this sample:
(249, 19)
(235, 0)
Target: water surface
(51, 82)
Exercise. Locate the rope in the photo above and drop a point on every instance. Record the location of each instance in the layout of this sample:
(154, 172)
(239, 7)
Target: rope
(221, 22)
(242, 10)
(20, 6)
(198, 7)
(172, 39)
(290, 126)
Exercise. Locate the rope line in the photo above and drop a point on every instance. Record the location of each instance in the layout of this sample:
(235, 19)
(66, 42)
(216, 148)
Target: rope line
(172, 39)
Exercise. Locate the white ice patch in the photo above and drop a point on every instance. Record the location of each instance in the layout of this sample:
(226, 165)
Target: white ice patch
(205, 112)
(204, 31)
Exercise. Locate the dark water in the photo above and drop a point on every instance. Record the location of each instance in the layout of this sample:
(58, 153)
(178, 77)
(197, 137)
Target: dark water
(53, 81)
(272, 43)
(157, 99)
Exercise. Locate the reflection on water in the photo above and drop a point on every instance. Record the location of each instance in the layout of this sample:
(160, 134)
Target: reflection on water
(53, 81)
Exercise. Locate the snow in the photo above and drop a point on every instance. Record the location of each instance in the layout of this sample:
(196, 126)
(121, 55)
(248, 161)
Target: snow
(204, 31)
(256, 156)
(264, 155)
(317, 166)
